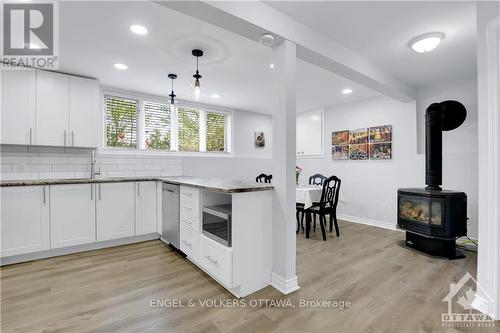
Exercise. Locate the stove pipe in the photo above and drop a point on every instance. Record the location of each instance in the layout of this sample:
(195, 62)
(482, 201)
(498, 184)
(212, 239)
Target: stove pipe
(439, 117)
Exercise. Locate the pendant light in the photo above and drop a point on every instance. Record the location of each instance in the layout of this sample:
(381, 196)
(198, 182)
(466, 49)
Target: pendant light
(172, 95)
(197, 90)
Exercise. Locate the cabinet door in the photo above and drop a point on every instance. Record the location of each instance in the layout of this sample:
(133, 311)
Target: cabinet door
(115, 210)
(18, 106)
(310, 133)
(145, 208)
(72, 215)
(25, 220)
(52, 109)
(83, 112)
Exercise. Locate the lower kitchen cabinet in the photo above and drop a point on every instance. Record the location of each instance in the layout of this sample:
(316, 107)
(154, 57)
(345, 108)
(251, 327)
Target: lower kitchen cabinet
(145, 208)
(24, 219)
(115, 210)
(72, 215)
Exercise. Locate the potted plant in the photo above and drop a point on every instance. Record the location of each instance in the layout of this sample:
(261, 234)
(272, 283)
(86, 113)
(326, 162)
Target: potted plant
(298, 170)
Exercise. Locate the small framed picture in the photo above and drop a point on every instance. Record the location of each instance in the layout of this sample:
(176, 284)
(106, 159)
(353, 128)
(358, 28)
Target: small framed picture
(260, 140)
(381, 151)
(340, 152)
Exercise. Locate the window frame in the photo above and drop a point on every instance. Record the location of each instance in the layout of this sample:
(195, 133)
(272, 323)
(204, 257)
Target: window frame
(140, 135)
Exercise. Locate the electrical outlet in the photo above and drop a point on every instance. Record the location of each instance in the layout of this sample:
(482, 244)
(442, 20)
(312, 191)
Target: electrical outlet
(469, 221)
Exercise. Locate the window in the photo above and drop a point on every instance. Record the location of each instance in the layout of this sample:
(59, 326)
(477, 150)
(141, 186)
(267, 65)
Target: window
(121, 121)
(157, 119)
(216, 135)
(154, 126)
(188, 122)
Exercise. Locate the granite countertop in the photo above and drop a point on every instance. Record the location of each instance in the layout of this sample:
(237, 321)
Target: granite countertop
(214, 184)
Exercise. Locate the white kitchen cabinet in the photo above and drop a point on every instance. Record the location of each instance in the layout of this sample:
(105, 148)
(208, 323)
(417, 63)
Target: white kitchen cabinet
(83, 128)
(52, 109)
(18, 106)
(72, 215)
(145, 207)
(25, 219)
(115, 210)
(310, 134)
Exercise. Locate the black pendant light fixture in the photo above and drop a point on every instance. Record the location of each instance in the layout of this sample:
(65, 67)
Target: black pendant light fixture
(172, 95)
(197, 90)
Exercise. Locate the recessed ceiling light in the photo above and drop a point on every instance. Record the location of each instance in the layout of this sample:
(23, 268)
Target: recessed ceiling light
(215, 96)
(346, 91)
(120, 66)
(271, 66)
(426, 42)
(138, 29)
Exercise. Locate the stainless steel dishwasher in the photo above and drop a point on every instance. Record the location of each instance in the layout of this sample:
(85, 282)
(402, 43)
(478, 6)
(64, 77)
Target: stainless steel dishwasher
(170, 214)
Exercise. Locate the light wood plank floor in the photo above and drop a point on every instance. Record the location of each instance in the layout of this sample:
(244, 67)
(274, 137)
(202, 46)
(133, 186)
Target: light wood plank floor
(391, 289)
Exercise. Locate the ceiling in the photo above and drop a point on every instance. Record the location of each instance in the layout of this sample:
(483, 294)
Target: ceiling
(380, 31)
(95, 35)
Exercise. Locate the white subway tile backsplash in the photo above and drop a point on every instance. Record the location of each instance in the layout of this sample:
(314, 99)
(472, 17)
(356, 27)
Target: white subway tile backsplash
(55, 163)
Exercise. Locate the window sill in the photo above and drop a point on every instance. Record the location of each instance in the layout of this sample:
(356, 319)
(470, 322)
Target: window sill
(143, 152)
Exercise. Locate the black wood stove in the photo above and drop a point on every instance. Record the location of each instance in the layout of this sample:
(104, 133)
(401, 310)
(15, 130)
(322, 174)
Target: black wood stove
(434, 218)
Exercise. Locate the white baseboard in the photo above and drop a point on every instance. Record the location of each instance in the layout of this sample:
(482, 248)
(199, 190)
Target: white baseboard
(285, 286)
(75, 249)
(363, 220)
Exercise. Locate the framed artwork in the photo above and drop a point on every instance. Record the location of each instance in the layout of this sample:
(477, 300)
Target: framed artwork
(381, 134)
(340, 152)
(260, 140)
(381, 151)
(358, 136)
(340, 138)
(358, 152)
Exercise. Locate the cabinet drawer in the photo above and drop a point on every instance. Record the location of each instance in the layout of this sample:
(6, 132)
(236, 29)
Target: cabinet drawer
(190, 242)
(217, 260)
(190, 200)
(191, 222)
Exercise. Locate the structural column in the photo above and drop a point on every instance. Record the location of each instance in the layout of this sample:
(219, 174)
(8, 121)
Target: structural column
(284, 277)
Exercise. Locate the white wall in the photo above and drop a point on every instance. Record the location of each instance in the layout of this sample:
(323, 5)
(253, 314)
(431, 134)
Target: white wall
(56, 163)
(369, 188)
(460, 146)
(247, 161)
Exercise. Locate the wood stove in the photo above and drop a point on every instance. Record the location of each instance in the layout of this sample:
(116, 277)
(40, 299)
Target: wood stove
(434, 218)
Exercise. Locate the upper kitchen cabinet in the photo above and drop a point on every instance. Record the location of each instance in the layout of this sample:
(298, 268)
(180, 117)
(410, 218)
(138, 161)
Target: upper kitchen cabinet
(310, 134)
(52, 109)
(18, 107)
(83, 112)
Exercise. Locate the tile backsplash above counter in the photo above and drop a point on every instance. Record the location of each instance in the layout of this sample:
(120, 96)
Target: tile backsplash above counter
(17, 162)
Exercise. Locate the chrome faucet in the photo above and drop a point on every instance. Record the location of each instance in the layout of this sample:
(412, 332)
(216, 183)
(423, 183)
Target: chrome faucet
(93, 171)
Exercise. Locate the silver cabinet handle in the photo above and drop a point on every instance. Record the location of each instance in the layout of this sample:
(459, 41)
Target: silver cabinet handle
(99, 191)
(211, 259)
(64, 138)
(31, 135)
(138, 189)
(44, 195)
(72, 138)
(91, 192)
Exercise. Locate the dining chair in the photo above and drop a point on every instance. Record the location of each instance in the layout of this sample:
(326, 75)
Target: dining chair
(317, 179)
(263, 178)
(326, 206)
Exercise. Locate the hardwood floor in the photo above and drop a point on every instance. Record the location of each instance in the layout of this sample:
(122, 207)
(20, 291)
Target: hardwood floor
(391, 289)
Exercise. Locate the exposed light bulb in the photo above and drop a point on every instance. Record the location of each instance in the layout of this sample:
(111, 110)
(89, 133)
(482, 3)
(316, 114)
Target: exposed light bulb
(197, 90)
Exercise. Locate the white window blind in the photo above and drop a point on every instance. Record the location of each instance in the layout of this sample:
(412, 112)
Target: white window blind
(188, 126)
(121, 121)
(157, 126)
(216, 132)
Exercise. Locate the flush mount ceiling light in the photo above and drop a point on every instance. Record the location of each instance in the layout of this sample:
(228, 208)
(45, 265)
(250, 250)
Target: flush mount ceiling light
(426, 42)
(172, 94)
(120, 66)
(271, 66)
(346, 91)
(197, 90)
(138, 29)
(267, 40)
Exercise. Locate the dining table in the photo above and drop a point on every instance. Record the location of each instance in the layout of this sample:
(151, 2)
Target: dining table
(308, 195)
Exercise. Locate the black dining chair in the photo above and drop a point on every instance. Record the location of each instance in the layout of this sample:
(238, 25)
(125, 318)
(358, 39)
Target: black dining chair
(263, 178)
(317, 179)
(326, 206)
